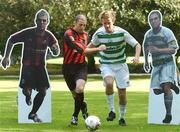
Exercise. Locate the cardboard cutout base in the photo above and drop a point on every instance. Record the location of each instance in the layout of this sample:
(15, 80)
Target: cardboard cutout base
(157, 111)
(44, 112)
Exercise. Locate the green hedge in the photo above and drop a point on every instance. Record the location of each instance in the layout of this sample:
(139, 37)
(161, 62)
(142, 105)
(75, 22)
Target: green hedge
(53, 69)
(56, 69)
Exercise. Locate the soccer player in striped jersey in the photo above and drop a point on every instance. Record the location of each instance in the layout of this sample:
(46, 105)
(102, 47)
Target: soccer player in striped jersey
(113, 61)
(161, 44)
(74, 64)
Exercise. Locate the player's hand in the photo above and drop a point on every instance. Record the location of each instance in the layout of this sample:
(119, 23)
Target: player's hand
(102, 47)
(5, 63)
(147, 68)
(55, 49)
(135, 60)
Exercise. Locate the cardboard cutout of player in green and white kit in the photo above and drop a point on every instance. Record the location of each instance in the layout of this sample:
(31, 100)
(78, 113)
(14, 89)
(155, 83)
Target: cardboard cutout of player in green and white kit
(34, 104)
(159, 48)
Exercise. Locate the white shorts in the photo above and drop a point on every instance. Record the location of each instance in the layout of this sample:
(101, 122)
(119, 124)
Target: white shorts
(119, 72)
(163, 73)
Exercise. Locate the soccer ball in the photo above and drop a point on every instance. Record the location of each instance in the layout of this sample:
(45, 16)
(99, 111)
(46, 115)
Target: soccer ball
(92, 123)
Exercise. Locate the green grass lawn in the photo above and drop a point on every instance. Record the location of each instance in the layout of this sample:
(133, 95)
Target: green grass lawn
(62, 108)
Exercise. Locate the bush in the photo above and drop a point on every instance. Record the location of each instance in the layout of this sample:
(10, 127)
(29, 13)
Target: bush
(53, 69)
(56, 69)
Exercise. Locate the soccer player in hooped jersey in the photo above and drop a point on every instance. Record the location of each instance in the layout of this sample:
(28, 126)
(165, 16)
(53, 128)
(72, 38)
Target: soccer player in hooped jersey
(113, 61)
(161, 44)
(74, 64)
(36, 40)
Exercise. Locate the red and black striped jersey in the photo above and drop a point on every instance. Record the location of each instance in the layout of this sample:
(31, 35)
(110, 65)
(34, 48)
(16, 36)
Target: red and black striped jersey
(35, 46)
(74, 47)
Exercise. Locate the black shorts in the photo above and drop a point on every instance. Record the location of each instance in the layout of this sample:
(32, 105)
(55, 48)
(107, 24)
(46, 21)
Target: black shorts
(74, 72)
(34, 77)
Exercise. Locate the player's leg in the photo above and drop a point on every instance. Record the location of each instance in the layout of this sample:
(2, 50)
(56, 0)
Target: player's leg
(41, 83)
(122, 81)
(26, 83)
(81, 78)
(27, 92)
(108, 81)
(76, 85)
(74, 119)
(122, 105)
(38, 100)
(108, 77)
(71, 83)
(167, 79)
(168, 98)
(80, 84)
(78, 96)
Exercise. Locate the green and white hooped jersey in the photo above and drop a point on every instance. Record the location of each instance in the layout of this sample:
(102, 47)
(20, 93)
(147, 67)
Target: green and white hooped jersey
(115, 43)
(163, 39)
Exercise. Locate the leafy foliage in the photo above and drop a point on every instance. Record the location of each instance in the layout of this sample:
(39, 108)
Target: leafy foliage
(131, 15)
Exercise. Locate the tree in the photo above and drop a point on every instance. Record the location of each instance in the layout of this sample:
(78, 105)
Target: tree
(131, 15)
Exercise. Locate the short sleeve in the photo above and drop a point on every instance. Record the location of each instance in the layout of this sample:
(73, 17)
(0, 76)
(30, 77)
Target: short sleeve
(130, 39)
(95, 40)
(145, 40)
(18, 37)
(171, 39)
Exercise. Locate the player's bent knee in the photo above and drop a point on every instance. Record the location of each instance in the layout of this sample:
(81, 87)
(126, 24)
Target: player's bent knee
(26, 92)
(166, 87)
(109, 85)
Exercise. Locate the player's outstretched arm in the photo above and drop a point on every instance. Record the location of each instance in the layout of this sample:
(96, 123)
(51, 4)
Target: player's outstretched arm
(91, 49)
(6, 59)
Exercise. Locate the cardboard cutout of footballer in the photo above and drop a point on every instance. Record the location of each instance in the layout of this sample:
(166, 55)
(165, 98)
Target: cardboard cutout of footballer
(34, 92)
(159, 48)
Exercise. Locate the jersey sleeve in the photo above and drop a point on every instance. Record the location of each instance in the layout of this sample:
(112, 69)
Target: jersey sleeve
(171, 39)
(18, 37)
(130, 39)
(145, 40)
(72, 43)
(95, 40)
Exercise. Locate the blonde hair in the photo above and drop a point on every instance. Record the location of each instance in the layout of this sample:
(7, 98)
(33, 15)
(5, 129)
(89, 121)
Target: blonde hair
(107, 14)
